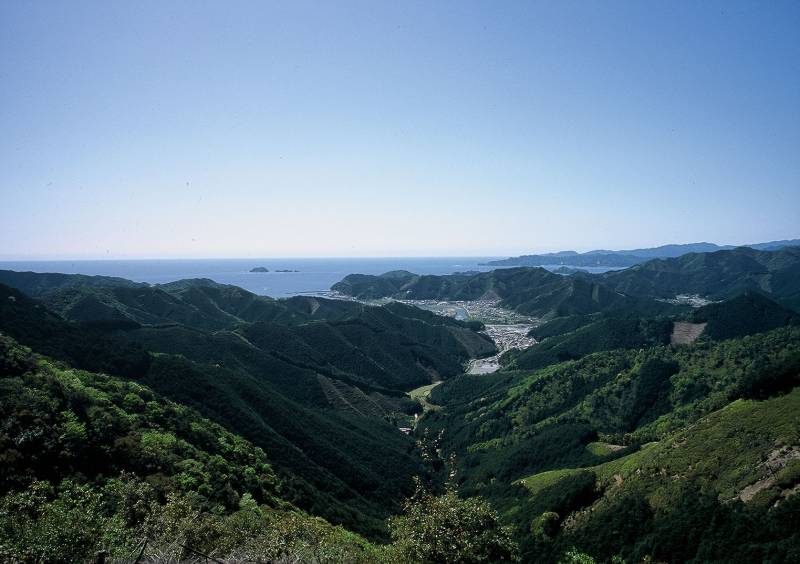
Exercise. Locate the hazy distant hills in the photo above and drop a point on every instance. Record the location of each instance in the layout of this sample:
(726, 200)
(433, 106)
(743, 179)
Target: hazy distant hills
(608, 258)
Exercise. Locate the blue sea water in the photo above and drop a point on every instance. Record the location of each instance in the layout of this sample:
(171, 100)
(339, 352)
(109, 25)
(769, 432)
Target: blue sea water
(315, 274)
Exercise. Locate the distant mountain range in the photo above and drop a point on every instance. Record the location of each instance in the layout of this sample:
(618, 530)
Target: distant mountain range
(625, 258)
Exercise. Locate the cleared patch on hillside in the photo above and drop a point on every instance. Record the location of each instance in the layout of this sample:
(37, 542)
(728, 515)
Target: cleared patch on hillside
(684, 333)
(603, 449)
(421, 395)
(343, 397)
(538, 482)
(777, 461)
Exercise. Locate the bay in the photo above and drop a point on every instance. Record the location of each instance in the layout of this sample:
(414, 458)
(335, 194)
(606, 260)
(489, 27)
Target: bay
(314, 276)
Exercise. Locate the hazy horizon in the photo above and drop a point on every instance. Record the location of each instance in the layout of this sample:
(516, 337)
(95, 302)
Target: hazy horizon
(349, 129)
(7, 258)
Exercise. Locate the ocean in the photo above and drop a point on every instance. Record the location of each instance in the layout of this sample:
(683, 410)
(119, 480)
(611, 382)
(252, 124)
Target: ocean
(315, 275)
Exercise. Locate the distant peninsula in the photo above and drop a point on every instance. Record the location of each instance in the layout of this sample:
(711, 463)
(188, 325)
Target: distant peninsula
(624, 259)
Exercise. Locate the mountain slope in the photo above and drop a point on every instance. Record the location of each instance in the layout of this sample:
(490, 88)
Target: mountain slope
(572, 337)
(529, 291)
(607, 333)
(63, 421)
(743, 315)
(201, 304)
(37, 284)
(689, 495)
(315, 393)
(719, 275)
(331, 462)
(92, 462)
(562, 428)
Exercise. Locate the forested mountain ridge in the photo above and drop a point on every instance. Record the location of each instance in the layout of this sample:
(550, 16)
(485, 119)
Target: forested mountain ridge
(529, 291)
(36, 284)
(745, 314)
(535, 291)
(201, 304)
(316, 393)
(572, 337)
(93, 462)
(723, 490)
(718, 275)
(556, 431)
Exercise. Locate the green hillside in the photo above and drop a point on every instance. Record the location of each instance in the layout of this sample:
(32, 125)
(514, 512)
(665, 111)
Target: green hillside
(99, 467)
(572, 337)
(621, 396)
(320, 394)
(688, 497)
(605, 334)
(529, 291)
(93, 462)
(508, 426)
(38, 284)
(749, 313)
(199, 303)
(535, 291)
(719, 275)
(562, 325)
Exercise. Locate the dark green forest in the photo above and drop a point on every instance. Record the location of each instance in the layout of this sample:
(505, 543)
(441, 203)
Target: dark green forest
(196, 420)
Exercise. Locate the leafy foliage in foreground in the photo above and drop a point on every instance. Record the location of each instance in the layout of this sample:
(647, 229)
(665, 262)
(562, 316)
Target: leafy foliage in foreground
(90, 462)
(446, 528)
(72, 522)
(62, 422)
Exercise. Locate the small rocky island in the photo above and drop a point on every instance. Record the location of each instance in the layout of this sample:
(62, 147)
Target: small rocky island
(259, 269)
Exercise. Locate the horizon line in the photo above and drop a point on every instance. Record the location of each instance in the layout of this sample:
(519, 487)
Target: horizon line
(13, 258)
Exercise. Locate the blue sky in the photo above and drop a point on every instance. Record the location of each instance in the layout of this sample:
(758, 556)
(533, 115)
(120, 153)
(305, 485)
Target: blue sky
(214, 129)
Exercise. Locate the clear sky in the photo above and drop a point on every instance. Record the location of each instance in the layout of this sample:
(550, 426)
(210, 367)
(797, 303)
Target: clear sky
(386, 128)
